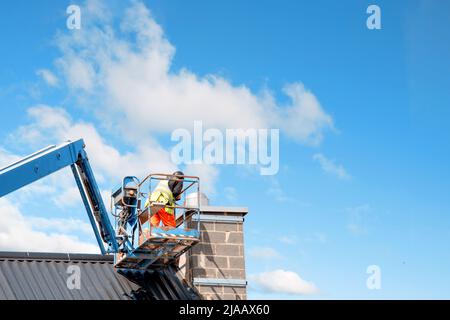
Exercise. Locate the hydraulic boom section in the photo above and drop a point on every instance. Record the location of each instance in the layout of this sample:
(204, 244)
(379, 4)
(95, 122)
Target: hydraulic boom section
(51, 159)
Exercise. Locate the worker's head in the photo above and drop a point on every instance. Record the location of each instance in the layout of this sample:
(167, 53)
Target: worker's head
(176, 184)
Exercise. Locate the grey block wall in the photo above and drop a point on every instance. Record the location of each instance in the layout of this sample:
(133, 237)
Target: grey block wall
(216, 266)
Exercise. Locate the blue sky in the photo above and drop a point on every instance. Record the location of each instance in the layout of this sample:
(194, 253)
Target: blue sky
(387, 92)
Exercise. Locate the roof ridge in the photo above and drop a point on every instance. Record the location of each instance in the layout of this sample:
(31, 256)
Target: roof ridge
(8, 255)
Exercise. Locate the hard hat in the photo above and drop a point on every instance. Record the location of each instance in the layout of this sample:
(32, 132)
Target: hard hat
(176, 183)
(178, 174)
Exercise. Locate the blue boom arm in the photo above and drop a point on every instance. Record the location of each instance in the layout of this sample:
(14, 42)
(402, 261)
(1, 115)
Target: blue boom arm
(51, 159)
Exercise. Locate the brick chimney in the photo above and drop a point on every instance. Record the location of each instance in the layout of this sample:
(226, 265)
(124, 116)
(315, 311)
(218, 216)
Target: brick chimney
(216, 266)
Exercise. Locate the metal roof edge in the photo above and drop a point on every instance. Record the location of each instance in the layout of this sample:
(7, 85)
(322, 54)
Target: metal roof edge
(12, 255)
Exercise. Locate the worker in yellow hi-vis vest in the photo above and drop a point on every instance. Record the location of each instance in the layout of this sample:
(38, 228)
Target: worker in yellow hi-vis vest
(166, 192)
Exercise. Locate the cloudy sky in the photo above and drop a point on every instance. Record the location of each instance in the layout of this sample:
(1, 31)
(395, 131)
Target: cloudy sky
(363, 118)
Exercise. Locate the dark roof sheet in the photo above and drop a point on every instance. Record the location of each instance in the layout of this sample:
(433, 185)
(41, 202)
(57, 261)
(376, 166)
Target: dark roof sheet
(44, 276)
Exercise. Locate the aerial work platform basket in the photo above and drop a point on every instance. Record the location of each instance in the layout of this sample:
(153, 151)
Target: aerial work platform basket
(142, 244)
(136, 243)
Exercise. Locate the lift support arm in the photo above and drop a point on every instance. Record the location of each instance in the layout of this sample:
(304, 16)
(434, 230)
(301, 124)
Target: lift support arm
(51, 159)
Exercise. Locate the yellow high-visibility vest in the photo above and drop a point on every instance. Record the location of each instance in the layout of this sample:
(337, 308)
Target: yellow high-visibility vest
(162, 194)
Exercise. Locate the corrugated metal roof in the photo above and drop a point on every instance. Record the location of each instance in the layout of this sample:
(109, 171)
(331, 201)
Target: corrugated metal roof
(49, 276)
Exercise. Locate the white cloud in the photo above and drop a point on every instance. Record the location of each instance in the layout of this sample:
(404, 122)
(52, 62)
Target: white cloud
(124, 75)
(106, 196)
(305, 119)
(68, 197)
(128, 69)
(331, 167)
(208, 176)
(289, 239)
(7, 157)
(79, 74)
(17, 233)
(48, 76)
(284, 282)
(64, 226)
(53, 125)
(263, 253)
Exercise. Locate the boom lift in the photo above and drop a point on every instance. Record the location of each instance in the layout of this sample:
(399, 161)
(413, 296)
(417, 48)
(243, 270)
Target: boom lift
(137, 244)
